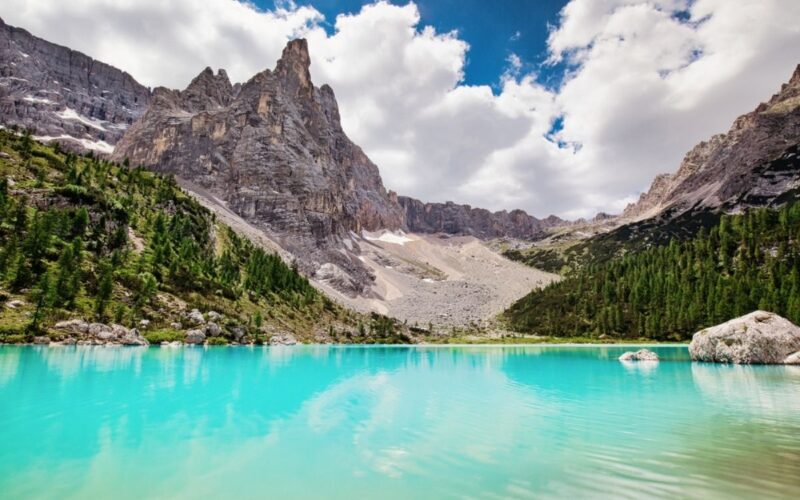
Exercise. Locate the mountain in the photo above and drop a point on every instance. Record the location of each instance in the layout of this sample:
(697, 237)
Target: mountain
(455, 219)
(64, 95)
(753, 164)
(274, 151)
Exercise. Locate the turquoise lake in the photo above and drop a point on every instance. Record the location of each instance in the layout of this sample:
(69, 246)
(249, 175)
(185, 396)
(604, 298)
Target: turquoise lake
(392, 422)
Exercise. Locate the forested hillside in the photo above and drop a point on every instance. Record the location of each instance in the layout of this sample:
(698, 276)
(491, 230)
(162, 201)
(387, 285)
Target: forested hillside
(668, 292)
(83, 237)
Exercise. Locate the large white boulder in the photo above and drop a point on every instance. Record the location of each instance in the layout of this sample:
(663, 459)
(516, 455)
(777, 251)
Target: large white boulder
(757, 338)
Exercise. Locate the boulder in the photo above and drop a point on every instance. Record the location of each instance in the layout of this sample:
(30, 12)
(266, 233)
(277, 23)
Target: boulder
(757, 338)
(99, 330)
(41, 340)
(212, 329)
(129, 336)
(14, 304)
(282, 339)
(237, 332)
(73, 326)
(195, 317)
(213, 315)
(195, 337)
(640, 355)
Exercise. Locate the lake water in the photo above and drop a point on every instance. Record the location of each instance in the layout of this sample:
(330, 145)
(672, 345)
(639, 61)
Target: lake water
(392, 422)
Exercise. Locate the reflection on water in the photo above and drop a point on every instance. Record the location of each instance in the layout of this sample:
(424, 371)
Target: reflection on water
(424, 422)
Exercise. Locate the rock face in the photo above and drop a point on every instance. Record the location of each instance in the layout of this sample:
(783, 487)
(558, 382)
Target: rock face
(451, 218)
(274, 151)
(754, 164)
(640, 355)
(756, 338)
(63, 94)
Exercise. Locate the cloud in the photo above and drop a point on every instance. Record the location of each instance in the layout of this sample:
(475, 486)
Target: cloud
(643, 81)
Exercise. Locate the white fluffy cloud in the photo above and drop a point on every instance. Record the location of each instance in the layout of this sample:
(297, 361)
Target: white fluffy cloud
(645, 80)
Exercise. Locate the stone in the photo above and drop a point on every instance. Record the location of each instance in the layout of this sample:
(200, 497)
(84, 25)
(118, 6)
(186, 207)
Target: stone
(212, 329)
(640, 355)
(195, 337)
(99, 330)
(130, 336)
(175, 325)
(14, 304)
(195, 317)
(41, 340)
(73, 326)
(282, 339)
(237, 332)
(760, 337)
(144, 323)
(213, 316)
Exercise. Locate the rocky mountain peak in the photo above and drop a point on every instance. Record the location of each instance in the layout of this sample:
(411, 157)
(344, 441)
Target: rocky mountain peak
(209, 91)
(293, 67)
(753, 164)
(274, 152)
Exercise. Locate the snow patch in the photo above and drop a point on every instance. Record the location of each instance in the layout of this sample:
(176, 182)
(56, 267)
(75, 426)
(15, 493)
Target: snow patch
(70, 114)
(99, 146)
(398, 238)
(43, 100)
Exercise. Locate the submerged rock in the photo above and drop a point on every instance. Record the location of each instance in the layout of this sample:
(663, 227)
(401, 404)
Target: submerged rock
(757, 338)
(640, 355)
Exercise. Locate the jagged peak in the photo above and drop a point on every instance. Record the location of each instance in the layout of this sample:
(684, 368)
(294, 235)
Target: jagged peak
(293, 66)
(795, 79)
(209, 90)
(295, 52)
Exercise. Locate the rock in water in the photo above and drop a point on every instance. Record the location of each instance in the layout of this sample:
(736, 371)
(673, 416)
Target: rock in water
(640, 355)
(757, 338)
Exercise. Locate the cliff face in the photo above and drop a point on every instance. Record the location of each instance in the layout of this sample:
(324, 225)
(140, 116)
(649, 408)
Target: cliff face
(451, 218)
(754, 164)
(63, 94)
(274, 150)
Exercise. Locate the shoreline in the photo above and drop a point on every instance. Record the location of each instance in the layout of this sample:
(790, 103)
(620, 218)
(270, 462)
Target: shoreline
(399, 346)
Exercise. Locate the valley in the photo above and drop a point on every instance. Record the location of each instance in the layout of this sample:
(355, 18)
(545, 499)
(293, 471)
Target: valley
(269, 161)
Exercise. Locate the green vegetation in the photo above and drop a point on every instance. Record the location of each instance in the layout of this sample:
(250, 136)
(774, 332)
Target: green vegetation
(669, 291)
(83, 237)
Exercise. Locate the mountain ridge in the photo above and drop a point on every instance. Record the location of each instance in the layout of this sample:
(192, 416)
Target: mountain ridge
(64, 95)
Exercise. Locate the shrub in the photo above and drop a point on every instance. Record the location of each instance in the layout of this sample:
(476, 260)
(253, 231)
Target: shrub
(167, 335)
